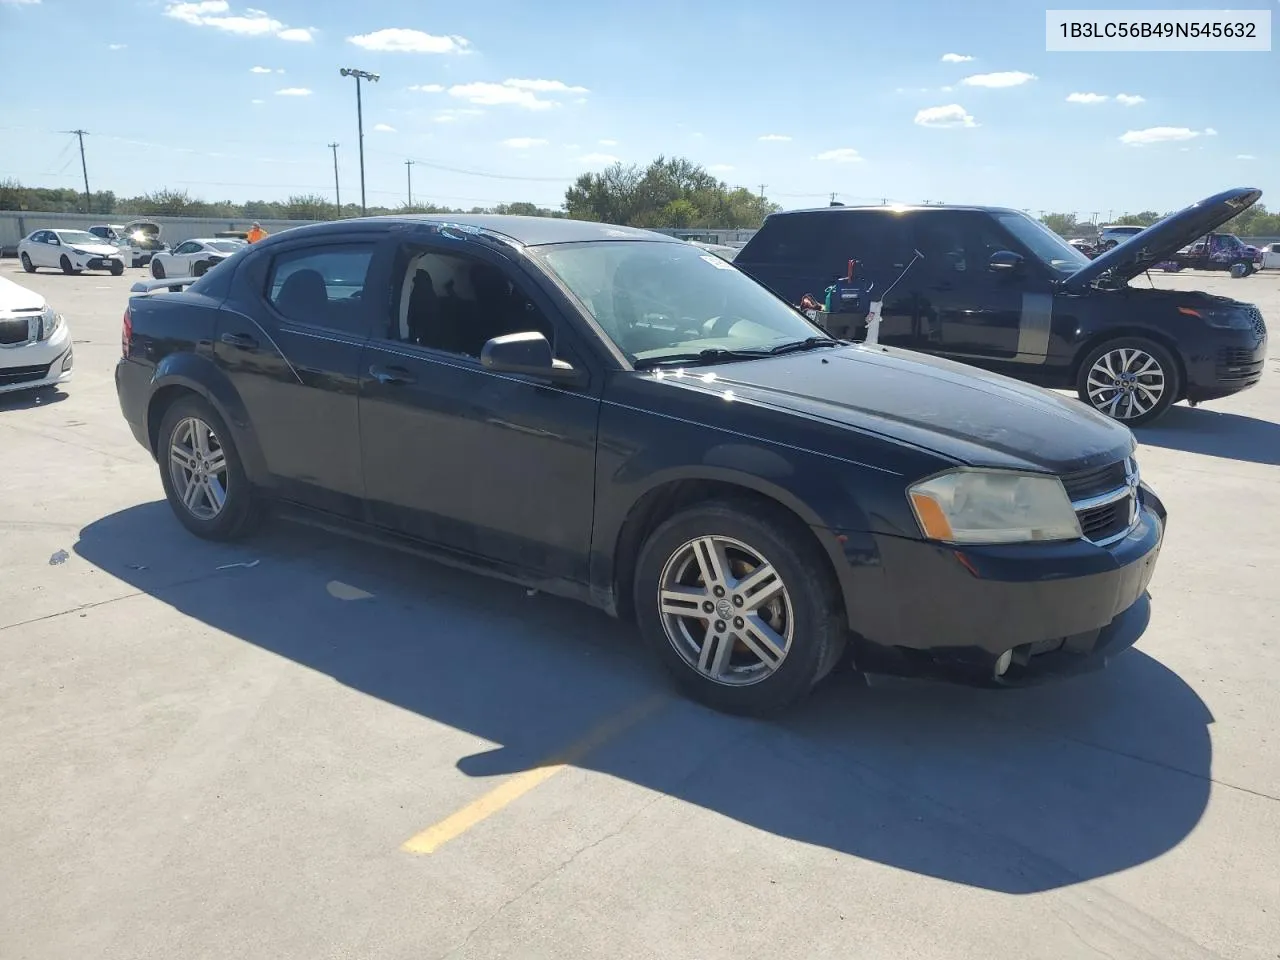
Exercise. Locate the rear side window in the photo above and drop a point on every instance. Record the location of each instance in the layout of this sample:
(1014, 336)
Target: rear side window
(795, 239)
(322, 286)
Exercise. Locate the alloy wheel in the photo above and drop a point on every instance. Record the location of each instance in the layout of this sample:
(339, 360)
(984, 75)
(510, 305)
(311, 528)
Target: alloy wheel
(1126, 383)
(198, 468)
(726, 610)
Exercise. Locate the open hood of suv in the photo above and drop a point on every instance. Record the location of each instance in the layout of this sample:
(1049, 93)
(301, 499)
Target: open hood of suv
(1161, 240)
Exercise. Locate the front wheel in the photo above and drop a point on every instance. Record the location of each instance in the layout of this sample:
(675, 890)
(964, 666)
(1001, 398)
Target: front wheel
(1133, 380)
(27, 265)
(157, 269)
(117, 269)
(739, 605)
(203, 476)
(65, 264)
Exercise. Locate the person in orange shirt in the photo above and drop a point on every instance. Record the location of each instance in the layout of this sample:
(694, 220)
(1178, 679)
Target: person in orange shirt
(256, 232)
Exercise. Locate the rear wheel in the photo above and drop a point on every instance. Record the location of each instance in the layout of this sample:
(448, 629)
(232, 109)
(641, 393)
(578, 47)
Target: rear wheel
(200, 269)
(157, 269)
(738, 604)
(202, 474)
(27, 265)
(1133, 380)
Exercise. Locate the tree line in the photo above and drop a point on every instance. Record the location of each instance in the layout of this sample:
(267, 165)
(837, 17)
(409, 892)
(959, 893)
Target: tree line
(669, 192)
(1254, 222)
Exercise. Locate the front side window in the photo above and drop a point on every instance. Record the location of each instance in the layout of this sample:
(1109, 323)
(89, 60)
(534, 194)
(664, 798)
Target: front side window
(671, 301)
(1049, 248)
(322, 286)
(457, 303)
(187, 247)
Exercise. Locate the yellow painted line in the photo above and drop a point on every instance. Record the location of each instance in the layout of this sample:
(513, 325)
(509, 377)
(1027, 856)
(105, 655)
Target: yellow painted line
(512, 789)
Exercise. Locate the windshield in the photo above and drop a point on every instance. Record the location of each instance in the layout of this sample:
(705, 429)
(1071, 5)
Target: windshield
(672, 300)
(77, 236)
(224, 246)
(1051, 249)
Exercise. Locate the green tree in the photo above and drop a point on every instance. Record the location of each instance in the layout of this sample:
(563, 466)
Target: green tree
(1063, 224)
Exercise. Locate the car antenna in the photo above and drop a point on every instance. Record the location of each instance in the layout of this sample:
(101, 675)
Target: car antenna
(873, 318)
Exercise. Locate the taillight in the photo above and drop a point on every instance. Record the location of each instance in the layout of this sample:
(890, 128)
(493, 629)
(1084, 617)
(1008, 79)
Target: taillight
(126, 333)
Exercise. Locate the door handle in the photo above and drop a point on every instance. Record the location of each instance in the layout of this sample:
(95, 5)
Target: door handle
(395, 376)
(241, 341)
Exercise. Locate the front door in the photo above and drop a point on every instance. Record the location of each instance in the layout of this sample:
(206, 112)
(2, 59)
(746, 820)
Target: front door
(290, 339)
(965, 309)
(493, 466)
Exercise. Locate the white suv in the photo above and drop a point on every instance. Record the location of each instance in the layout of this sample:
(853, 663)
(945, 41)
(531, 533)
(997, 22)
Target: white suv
(35, 344)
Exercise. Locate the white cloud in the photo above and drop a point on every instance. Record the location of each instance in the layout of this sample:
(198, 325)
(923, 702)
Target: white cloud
(955, 58)
(404, 40)
(453, 116)
(775, 138)
(116, 46)
(523, 143)
(951, 115)
(1087, 98)
(427, 88)
(608, 143)
(293, 92)
(384, 128)
(599, 159)
(840, 155)
(20, 3)
(261, 70)
(545, 86)
(1245, 156)
(946, 89)
(1007, 78)
(296, 35)
(257, 101)
(1130, 99)
(217, 14)
(1210, 132)
(515, 93)
(1138, 138)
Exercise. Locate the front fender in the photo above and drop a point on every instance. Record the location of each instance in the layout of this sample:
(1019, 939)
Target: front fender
(199, 374)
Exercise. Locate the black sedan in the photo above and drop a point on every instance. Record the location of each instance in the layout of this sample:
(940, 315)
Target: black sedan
(619, 417)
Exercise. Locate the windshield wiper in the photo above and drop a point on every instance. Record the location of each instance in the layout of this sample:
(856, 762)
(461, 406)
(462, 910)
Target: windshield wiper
(710, 355)
(808, 343)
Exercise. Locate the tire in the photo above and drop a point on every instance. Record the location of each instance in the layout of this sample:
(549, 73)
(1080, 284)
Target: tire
(117, 269)
(200, 269)
(65, 264)
(1137, 411)
(27, 265)
(239, 512)
(157, 269)
(807, 610)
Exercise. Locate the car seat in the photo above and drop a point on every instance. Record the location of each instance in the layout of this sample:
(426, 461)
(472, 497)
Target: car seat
(303, 297)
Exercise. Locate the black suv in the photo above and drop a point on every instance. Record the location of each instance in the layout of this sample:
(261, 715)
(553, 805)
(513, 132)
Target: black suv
(998, 289)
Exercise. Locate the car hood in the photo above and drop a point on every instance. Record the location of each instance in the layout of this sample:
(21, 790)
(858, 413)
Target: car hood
(1159, 241)
(146, 226)
(99, 249)
(967, 414)
(14, 297)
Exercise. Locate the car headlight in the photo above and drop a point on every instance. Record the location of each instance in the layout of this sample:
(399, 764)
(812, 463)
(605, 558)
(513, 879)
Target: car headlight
(50, 322)
(993, 506)
(1222, 319)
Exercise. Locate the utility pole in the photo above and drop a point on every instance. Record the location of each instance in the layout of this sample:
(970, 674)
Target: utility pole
(373, 78)
(1096, 214)
(337, 191)
(762, 186)
(833, 196)
(408, 172)
(84, 168)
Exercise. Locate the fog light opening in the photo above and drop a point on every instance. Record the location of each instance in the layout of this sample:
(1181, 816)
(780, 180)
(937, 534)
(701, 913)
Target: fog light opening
(1002, 663)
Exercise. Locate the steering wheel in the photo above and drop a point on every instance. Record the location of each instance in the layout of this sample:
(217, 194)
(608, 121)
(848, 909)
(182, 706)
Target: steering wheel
(720, 326)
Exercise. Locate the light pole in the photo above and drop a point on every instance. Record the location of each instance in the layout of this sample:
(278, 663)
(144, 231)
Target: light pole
(408, 169)
(337, 190)
(373, 77)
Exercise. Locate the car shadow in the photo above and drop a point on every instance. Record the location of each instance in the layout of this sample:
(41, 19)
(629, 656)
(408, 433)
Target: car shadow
(1013, 791)
(1215, 433)
(27, 399)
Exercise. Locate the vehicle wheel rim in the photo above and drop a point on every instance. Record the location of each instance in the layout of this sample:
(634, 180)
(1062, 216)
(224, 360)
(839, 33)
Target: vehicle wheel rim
(1126, 383)
(726, 610)
(198, 468)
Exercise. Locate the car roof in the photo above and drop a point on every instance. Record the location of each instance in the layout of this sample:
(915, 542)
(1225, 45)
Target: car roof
(894, 208)
(525, 231)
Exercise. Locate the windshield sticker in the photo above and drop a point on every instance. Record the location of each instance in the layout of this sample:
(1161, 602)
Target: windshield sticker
(716, 262)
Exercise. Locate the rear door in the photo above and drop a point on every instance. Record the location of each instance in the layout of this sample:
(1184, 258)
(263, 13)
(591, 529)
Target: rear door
(290, 338)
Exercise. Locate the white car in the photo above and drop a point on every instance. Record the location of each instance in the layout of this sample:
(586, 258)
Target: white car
(138, 240)
(1270, 257)
(193, 258)
(35, 344)
(71, 251)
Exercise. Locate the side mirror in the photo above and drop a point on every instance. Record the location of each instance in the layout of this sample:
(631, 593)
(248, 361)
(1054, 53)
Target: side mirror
(1005, 261)
(528, 353)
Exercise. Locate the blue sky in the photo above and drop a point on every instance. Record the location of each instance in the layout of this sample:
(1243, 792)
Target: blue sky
(808, 97)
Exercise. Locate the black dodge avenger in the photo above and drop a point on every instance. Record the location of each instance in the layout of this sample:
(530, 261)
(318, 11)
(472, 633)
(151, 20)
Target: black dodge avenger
(615, 416)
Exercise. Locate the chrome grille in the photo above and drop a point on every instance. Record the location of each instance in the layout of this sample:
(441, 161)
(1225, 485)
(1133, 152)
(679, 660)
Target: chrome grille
(1105, 500)
(19, 331)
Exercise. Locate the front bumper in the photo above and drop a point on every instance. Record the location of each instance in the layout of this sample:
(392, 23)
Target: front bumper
(95, 262)
(1232, 363)
(35, 372)
(1062, 608)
